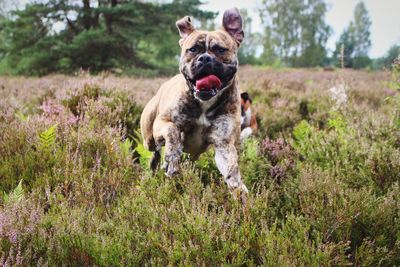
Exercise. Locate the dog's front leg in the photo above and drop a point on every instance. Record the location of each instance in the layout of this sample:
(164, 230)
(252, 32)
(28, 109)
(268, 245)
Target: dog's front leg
(226, 159)
(167, 132)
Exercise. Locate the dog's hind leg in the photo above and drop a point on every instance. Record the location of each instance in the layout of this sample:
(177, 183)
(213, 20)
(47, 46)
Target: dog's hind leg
(155, 159)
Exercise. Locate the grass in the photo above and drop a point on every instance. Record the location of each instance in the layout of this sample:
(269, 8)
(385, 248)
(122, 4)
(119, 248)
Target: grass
(323, 176)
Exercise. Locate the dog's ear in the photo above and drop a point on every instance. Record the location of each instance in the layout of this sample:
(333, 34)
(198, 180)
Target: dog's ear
(185, 27)
(233, 23)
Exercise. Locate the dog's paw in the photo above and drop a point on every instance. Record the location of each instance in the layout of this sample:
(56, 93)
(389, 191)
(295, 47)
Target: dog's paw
(240, 194)
(234, 185)
(244, 189)
(170, 170)
(171, 166)
(239, 190)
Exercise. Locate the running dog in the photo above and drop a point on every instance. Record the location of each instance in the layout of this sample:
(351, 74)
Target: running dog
(200, 106)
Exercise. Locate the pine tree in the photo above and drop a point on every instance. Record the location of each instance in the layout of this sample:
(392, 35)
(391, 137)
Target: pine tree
(95, 35)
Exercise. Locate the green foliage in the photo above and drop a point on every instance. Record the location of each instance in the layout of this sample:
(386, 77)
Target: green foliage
(362, 25)
(297, 30)
(322, 148)
(208, 168)
(144, 154)
(47, 138)
(15, 195)
(248, 49)
(104, 36)
(21, 116)
(76, 101)
(355, 40)
(253, 169)
(338, 148)
(338, 123)
(125, 147)
(344, 52)
(301, 132)
(361, 62)
(268, 56)
(394, 84)
(387, 61)
(118, 36)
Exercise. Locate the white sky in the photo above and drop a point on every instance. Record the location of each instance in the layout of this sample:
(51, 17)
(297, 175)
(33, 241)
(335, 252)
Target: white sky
(384, 14)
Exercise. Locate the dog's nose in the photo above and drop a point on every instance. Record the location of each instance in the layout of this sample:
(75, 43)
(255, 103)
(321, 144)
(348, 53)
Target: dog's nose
(205, 58)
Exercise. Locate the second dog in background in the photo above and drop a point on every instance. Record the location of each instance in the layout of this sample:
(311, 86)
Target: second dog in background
(249, 125)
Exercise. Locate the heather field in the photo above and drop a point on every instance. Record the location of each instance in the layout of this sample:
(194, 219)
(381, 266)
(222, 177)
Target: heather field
(323, 174)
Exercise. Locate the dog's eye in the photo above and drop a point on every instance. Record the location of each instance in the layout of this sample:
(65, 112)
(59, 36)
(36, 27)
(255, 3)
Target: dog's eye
(218, 49)
(193, 49)
(222, 50)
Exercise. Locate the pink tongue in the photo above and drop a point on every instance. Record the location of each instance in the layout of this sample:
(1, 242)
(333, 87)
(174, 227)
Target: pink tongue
(208, 82)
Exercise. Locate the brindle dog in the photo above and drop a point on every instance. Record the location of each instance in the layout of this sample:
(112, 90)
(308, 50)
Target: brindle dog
(200, 106)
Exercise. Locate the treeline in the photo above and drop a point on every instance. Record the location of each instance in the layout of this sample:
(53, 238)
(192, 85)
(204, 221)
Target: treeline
(296, 34)
(139, 37)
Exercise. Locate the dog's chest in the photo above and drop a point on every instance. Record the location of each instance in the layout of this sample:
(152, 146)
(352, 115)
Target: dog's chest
(195, 138)
(246, 118)
(202, 122)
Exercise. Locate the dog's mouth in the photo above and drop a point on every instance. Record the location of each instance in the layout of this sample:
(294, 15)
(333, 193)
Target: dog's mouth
(207, 87)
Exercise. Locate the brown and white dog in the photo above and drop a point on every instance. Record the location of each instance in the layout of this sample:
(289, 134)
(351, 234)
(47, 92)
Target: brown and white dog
(248, 121)
(200, 106)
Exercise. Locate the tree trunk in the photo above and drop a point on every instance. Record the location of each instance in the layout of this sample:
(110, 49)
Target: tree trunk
(109, 18)
(86, 19)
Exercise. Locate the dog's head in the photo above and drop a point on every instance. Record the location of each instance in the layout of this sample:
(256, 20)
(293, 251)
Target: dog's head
(209, 58)
(245, 102)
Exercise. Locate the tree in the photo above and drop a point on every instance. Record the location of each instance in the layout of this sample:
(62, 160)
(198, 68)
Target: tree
(95, 35)
(6, 6)
(362, 24)
(2, 9)
(269, 55)
(391, 55)
(344, 52)
(297, 30)
(356, 40)
(388, 59)
(314, 34)
(248, 49)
